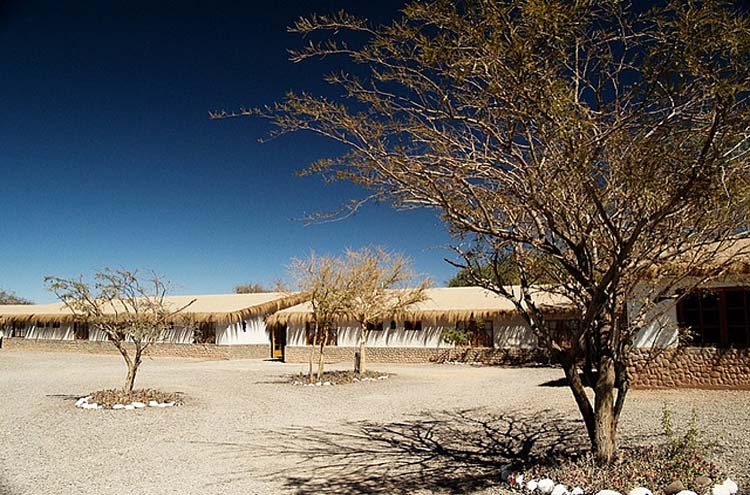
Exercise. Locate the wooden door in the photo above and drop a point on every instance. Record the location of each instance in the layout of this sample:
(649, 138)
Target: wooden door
(278, 341)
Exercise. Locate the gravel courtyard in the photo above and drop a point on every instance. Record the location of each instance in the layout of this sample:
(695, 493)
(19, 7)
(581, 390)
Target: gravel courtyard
(244, 430)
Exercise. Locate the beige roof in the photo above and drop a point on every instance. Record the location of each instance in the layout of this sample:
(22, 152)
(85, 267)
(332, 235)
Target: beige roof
(205, 308)
(450, 303)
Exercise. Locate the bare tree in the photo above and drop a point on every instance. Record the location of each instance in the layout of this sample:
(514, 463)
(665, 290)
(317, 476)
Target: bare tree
(596, 146)
(322, 280)
(127, 308)
(8, 297)
(381, 287)
(252, 288)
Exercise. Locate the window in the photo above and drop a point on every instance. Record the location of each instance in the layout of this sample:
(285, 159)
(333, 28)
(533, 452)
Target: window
(413, 325)
(479, 333)
(375, 326)
(310, 335)
(717, 318)
(80, 331)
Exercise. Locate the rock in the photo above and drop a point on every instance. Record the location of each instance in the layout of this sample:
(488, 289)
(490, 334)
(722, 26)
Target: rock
(702, 484)
(608, 492)
(531, 485)
(138, 405)
(731, 486)
(118, 406)
(130, 407)
(153, 403)
(720, 490)
(640, 491)
(327, 384)
(576, 491)
(673, 488)
(318, 384)
(518, 480)
(167, 404)
(546, 486)
(560, 489)
(686, 492)
(92, 405)
(383, 377)
(81, 401)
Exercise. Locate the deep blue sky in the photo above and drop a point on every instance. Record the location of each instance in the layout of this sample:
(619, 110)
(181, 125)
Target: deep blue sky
(108, 157)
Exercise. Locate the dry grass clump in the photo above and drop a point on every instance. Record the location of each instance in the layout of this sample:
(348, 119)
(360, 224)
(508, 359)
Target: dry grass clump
(109, 398)
(340, 377)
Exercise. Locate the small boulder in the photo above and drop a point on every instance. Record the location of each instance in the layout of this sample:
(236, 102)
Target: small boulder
(702, 484)
(731, 486)
(686, 492)
(130, 407)
(560, 489)
(576, 491)
(608, 492)
(546, 486)
(81, 401)
(118, 406)
(720, 490)
(531, 485)
(673, 488)
(153, 403)
(640, 491)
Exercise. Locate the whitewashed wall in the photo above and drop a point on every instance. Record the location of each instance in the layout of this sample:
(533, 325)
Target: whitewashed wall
(507, 332)
(63, 332)
(254, 333)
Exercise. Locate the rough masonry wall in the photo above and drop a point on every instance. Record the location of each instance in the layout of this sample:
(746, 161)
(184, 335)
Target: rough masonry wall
(337, 354)
(204, 351)
(699, 367)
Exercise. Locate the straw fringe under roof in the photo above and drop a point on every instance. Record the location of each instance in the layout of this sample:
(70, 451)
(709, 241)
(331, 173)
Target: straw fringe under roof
(222, 308)
(449, 304)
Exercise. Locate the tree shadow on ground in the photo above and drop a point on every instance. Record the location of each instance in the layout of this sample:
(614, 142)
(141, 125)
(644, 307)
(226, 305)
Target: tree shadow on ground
(446, 452)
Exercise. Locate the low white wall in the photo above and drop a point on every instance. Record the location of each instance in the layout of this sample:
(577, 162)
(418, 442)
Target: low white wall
(254, 332)
(507, 333)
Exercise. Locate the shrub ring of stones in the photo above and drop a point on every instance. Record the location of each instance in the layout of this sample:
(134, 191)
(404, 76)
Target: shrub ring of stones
(138, 399)
(331, 378)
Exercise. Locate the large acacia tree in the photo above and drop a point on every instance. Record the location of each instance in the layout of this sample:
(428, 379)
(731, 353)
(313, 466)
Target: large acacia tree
(597, 147)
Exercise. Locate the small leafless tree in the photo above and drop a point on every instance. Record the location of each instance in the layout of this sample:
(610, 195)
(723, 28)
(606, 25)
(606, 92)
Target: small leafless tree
(323, 281)
(8, 297)
(127, 308)
(382, 285)
(598, 148)
(252, 288)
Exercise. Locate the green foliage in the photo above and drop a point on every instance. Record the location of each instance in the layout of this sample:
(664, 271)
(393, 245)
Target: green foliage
(456, 336)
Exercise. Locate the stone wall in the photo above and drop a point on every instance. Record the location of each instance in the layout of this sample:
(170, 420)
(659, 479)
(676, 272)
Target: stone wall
(336, 354)
(698, 367)
(203, 351)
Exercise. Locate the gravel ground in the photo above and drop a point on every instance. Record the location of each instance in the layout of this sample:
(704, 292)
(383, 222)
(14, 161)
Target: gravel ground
(244, 429)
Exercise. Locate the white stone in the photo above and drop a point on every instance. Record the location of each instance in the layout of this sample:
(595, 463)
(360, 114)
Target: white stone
(318, 384)
(720, 490)
(560, 489)
(686, 492)
(608, 492)
(576, 491)
(130, 407)
(518, 480)
(153, 403)
(327, 384)
(640, 491)
(166, 404)
(81, 401)
(138, 405)
(531, 485)
(546, 486)
(92, 405)
(118, 406)
(731, 486)
(383, 377)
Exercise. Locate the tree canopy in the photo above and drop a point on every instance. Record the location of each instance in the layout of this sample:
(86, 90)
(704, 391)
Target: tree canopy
(598, 147)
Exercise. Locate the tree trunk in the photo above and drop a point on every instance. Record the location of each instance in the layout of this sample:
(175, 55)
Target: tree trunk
(130, 382)
(605, 423)
(312, 355)
(321, 361)
(362, 349)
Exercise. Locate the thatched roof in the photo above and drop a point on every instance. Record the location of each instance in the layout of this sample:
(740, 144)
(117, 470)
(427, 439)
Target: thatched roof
(218, 308)
(449, 304)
